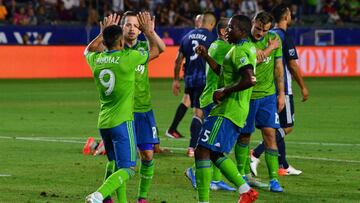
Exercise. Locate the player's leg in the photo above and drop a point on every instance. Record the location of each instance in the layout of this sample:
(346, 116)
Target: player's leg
(179, 115)
(146, 136)
(124, 144)
(196, 122)
(267, 120)
(219, 135)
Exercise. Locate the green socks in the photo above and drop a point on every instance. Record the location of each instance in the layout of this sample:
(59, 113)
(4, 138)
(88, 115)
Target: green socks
(271, 158)
(146, 175)
(115, 180)
(229, 170)
(216, 174)
(242, 155)
(203, 179)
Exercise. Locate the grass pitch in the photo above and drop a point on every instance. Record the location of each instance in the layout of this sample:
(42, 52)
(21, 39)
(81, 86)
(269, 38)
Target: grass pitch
(43, 124)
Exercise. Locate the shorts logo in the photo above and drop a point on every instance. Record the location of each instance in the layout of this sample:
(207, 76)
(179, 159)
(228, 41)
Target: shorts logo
(154, 132)
(217, 144)
(277, 118)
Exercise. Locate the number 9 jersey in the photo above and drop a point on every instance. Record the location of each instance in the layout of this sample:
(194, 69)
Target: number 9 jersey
(114, 75)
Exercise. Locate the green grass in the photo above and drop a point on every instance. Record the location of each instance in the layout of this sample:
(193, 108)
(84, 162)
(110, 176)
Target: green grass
(44, 171)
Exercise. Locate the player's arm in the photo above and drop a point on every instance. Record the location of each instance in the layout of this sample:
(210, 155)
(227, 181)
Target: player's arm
(279, 79)
(295, 72)
(145, 25)
(202, 51)
(176, 82)
(248, 80)
(160, 43)
(261, 55)
(96, 45)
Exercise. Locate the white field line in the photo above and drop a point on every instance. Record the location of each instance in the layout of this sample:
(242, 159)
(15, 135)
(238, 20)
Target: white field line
(44, 139)
(5, 175)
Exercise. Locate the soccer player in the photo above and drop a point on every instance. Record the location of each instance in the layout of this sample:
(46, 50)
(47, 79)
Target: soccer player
(264, 103)
(114, 75)
(194, 67)
(146, 130)
(218, 49)
(282, 15)
(222, 128)
(172, 132)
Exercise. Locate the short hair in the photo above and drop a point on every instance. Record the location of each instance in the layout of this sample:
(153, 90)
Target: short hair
(111, 35)
(243, 23)
(222, 23)
(279, 11)
(126, 14)
(264, 17)
(209, 17)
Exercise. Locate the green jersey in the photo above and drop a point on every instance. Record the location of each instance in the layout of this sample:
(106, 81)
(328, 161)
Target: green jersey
(114, 75)
(217, 51)
(235, 106)
(265, 84)
(142, 84)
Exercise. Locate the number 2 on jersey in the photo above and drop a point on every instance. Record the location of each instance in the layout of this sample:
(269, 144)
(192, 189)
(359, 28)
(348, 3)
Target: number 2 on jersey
(107, 84)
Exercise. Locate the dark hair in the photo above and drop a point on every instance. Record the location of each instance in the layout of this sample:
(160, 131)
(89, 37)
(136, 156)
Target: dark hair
(243, 23)
(111, 35)
(279, 11)
(222, 23)
(264, 17)
(126, 14)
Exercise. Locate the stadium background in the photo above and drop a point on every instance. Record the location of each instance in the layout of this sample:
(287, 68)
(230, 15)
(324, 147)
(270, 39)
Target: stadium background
(44, 122)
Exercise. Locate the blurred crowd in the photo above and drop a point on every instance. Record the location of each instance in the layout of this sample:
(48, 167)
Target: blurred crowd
(171, 12)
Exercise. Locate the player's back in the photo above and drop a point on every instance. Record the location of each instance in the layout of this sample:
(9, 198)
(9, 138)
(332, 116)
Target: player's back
(194, 66)
(114, 75)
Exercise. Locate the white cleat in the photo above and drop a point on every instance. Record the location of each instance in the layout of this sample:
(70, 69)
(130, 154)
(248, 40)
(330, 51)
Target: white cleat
(95, 197)
(291, 171)
(254, 162)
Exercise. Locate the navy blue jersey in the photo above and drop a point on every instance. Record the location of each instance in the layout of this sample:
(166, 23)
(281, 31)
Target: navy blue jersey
(194, 67)
(289, 53)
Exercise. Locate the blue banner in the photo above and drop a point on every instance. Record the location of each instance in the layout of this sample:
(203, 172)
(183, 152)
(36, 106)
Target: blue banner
(81, 35)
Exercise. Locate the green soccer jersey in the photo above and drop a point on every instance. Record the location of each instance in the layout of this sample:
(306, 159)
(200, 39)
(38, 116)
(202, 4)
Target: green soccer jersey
(265, 84)
(235, 106)
(114, 75)
(217, 51)
(142, 84)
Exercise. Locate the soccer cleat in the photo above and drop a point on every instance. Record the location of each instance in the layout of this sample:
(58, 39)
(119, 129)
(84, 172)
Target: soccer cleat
(89, 146)
(292, 171)
(108, 200)
(142, 200)
(189, 173)
(282, 172)
(190, 152)
(249, 196)
(173, 134)
(250, 180)
(254, 162)
(95, 197)
(100, 150)
(221, 185)
(274, 186)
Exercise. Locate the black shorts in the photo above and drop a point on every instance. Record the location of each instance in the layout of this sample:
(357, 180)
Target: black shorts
(286, 116)
(194, 93)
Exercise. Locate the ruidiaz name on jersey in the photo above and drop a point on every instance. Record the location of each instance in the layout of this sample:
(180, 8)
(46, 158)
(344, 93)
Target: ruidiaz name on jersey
(108, 59)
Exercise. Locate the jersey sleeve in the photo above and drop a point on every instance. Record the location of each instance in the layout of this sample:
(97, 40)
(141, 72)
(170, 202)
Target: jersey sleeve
(290, 52)
(140, 57)
(240, 58)
(90, 57)
(278, 51)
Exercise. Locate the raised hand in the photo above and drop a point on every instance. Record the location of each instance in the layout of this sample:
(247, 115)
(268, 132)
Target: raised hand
(274, 43)
(145, 22)
(112, 19)
(218, 96)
